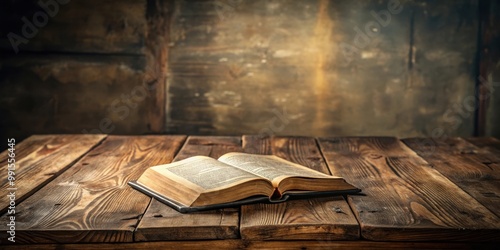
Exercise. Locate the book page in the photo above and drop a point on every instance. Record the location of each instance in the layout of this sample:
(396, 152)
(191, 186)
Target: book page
(207, 172)
(268, 166)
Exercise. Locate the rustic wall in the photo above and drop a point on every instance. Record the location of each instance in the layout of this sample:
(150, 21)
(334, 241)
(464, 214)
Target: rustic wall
(308, 67)
(327, 67)
(490, 66)
(95, 26)
(72, 94)
(81, 67)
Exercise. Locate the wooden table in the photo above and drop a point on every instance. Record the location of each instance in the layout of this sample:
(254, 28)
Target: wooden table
(420, 193)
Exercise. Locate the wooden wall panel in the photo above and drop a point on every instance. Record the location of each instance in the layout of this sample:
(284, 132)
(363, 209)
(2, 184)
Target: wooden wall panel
(158, 16)
(94, 65)
(73, 94)
(96, 26)
(231, 67)
(319, 67)
(442, 67)
(490, 66)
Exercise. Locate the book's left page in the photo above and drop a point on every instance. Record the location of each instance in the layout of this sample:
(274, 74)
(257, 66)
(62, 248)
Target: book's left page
(201, 181)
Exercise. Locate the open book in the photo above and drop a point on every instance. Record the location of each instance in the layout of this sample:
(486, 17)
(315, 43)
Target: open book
(200, 182)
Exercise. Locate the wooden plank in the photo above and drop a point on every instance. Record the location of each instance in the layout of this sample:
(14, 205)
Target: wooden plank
(322, 219)
(105, 26)
(91, 201)
(405, 198)
(158, 15)
(161, 222)
(243, 244)
(39, 159)
(475, 170)
(487, 143)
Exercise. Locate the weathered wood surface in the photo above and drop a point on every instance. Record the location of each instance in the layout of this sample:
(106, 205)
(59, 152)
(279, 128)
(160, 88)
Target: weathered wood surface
(320, 219)
(161, 222)
(327, 50)
(489, 69)
(39, 159)
(158, 15)
(74, 94)
(103, 26)
(441, 79)
(91, 201)
(240, 66)
(405, 198)
(308, 62)
(245, 244)
(475, 170)
(490, 143)
(407, 202)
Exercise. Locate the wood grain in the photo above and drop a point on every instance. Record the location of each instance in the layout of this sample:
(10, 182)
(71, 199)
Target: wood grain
(405, 198)
(321, 219)
(161, 222)
(475, 170)
(158, 16)
(40, 159)
(488, 143)
(280, 245)
(91, 201)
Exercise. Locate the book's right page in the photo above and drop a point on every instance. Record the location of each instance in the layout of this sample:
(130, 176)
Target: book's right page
(271, 167)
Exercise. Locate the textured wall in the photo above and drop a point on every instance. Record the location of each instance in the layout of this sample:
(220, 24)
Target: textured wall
(322, 67)
(81, 67)
(296, 67)
(490, 66)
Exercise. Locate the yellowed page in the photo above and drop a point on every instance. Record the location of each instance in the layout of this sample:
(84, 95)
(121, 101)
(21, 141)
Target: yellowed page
(270, 167)
(206, 173)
